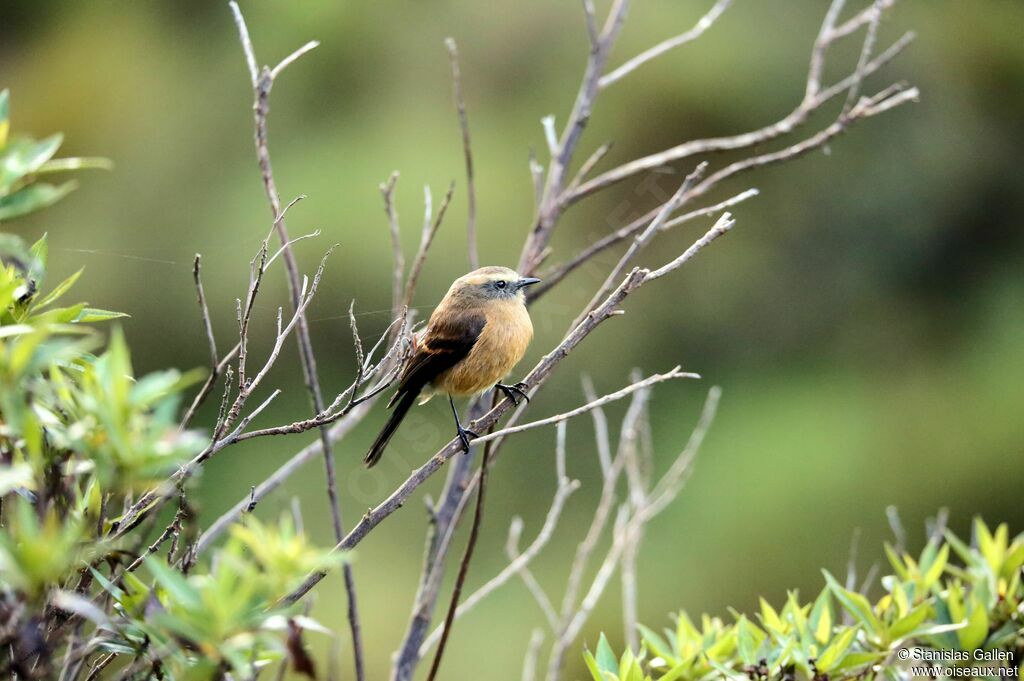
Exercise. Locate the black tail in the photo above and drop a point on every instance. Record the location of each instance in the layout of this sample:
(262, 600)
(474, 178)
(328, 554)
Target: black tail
(405, 401)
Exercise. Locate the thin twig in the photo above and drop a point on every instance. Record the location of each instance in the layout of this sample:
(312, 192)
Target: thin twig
(205, 312)
(697, 31)
(467, 151)
(426, 239)
(387, 190)
(467, 556)
(532, 653)
(565, 488)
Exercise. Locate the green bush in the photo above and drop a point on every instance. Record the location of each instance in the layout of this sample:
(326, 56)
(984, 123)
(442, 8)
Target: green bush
(930, 602)
(80, 437)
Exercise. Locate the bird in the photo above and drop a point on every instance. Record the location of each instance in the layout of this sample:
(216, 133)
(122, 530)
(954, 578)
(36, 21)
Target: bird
(474, 338)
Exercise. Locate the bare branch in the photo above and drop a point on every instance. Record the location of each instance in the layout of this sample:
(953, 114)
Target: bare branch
(387, 190)
(697, 31)
(532, 653)
(291, 58)
(205, 312)
(630, 520)
(611, 397)
(426, 239)
(243, 37)
(644, 238)
(588, 166)
(815, 97)
(875, 14)
(337, 432)
(556, 274)
(604, 452)
(723, 225)
(538, 239)
(536, 590)
(467, 150)
(565, 488)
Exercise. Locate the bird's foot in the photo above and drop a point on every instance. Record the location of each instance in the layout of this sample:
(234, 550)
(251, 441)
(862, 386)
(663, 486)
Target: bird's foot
(514, 392)
(465, 434)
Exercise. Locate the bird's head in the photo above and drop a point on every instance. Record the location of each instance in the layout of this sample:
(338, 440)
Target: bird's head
(490, 284)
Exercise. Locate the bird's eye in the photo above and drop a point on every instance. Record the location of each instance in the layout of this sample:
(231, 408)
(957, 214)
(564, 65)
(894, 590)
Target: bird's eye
(501, 284)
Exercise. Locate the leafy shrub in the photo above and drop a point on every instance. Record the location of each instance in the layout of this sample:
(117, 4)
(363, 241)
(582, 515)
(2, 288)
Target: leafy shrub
(929, 602)
(80, 437)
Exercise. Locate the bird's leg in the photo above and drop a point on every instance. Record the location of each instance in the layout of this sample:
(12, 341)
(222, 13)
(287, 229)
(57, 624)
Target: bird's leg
(464, 433)
(511, 391)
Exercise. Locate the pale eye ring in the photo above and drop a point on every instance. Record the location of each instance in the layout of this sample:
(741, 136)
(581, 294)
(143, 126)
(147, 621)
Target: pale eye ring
(501, 284)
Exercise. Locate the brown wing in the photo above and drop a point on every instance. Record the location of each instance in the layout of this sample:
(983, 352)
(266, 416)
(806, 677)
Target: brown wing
(443, 346)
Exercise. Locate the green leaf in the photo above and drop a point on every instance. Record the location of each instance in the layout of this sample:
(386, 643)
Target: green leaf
(857, 660)
(92, 314)
(835, 651)
(5, 123)
(24, 157)
(976, 629)
(658, 645)
(174, 583)
(60, 290)
(32, 198)
(967, 555)
(908, 624)
(58, 165)
(855, 604)
(770, 618)
(896, 562)
(40, 252)
(591, 663)
(821, 616)
(934, 572)
(606, 661)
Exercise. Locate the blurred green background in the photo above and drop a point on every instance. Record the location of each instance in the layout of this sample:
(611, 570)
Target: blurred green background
(864, 318)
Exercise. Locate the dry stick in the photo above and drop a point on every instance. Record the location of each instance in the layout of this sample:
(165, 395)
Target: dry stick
(697, 31)
(446, 514)
(152, 500)
(460, 105)
(644, 237)
(444, 517)
(588, 166)
(262, 83)
(866, 108)
(343, 420)
(205, 312)
(217, 367)
(426, 239)
(628, 445)
(604, 455)
(387, 190)
(565, 488)
(865, 55)
(338, 431)
(554, 275)
(664, 491)
(532, 653)
(814, 98)
(467, 556)
(525, 574)
(601, 43)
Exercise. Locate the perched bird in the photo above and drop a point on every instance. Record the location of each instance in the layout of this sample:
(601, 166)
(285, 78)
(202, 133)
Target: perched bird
(477, 333)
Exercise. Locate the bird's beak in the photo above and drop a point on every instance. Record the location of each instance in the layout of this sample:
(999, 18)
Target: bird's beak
(527, 281)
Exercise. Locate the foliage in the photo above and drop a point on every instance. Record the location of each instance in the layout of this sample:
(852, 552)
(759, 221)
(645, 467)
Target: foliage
(23, 164)
(930, 602)
(80, 437)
